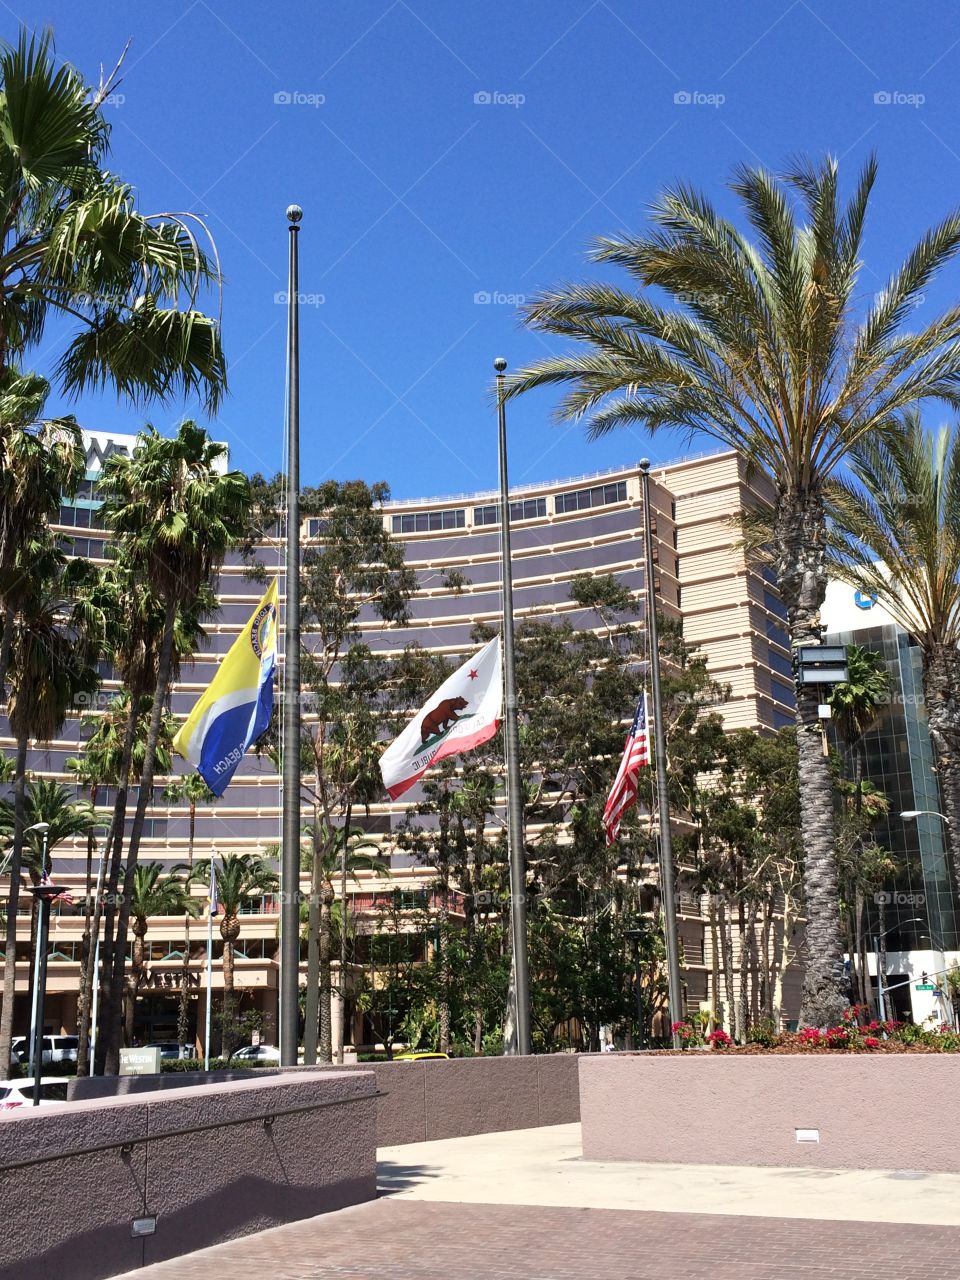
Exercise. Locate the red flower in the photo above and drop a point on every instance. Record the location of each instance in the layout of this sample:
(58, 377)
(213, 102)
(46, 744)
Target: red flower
(871, 1042)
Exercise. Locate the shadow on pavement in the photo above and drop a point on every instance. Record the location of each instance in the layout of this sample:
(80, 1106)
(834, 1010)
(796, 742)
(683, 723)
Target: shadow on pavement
(393, 1177)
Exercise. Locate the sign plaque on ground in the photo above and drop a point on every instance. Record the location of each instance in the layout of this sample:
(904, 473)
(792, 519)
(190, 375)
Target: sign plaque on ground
(139, 1062)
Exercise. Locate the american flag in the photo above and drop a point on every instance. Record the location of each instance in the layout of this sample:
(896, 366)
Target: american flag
(636, 754)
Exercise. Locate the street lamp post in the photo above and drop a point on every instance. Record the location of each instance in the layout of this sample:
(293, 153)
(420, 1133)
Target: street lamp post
(45, 894)
(44, 830)
(635, 935)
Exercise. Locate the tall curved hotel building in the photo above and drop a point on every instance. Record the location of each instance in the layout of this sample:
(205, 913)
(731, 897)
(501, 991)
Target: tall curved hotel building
(587, 524)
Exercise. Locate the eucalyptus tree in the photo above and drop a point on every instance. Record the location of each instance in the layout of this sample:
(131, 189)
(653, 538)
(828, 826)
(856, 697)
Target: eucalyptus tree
(173, 512)
(74, 246)
(897, 538)
(763, 348)
(355, 570)
(52, 664)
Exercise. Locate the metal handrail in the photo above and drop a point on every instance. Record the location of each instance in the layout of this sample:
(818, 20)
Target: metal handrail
(126, 1146)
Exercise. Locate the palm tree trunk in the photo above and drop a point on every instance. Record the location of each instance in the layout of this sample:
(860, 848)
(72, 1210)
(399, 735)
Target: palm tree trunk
(112, 1062)
(87, 949)
(227, 1020)
(13, 900)
(183, 1013)
(6, 642)
(106, 905)
(941, 692)
(726, 943)
(799, 538)
(311, 1003)
(326, 902)
(132, 989)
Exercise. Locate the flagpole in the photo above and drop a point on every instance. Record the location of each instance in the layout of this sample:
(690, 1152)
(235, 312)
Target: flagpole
(667, 873)
(518, 872)
(206, 1038)
(290, 837)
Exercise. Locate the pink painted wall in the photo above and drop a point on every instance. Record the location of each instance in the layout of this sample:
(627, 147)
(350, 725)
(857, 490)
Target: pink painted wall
(872, 1111)
(202, 1160)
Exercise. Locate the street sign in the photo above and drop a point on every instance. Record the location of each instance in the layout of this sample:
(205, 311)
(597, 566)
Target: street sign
(139, 1062)
(925, 986)
(821, 664)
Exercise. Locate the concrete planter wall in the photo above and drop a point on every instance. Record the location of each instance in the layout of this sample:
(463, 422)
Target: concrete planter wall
(867, 1111)
(209, 1164)
(419, 1101)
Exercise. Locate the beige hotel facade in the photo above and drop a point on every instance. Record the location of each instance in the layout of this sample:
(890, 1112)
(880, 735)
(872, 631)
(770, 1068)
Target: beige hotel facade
(588, 524)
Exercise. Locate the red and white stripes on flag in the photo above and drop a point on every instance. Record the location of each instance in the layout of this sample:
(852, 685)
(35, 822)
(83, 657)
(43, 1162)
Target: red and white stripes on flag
(636, 754)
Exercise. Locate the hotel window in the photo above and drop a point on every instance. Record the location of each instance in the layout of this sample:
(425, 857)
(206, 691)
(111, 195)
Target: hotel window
(427, 521)
(315, 527)
(527, 509)
(600, 495)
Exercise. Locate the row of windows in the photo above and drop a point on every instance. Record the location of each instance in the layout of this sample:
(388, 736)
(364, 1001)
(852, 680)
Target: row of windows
(527, 509)
(600, 495)
(91, 548)
(424, 521)
(81, 517)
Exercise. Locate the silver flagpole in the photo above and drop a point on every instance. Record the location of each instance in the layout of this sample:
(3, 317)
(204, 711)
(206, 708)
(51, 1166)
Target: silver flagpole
(667, 873)
(520, 978)
(206, 1037)
(290, 837)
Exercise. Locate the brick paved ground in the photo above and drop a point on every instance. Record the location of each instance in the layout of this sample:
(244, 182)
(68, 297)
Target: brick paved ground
(399, 1239)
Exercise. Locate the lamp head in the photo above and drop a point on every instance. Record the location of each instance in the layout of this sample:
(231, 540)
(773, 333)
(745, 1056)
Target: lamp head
(42, 827)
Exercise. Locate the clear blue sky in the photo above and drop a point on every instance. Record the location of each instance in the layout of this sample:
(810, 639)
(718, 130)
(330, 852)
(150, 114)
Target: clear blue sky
(417, 198)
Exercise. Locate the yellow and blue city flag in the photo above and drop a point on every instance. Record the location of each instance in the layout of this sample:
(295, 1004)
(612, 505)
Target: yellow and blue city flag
(235, 709)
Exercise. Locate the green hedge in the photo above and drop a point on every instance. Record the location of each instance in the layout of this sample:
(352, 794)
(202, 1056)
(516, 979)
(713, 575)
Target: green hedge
(216, 1064)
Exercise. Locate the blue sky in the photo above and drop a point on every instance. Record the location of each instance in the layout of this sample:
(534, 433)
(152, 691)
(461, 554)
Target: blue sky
(453, 157)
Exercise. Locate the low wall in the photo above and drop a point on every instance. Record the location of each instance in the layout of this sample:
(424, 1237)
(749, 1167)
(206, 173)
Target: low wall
(421, 1100)
(883, 1111)
(208, 1164)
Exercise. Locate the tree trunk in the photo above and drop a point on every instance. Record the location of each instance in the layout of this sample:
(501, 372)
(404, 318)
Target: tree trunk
(13, 900)
(86, 966)
(106, 906)
(342, 1031)
(726, 943)
(112, 1027)
(941, 693)
(443, 924)
(132, 988)
(311, 1004)
(799, 539)
(183, 1011)
(227, 1020)
(6, 642)
(326, 902)
(714, 961)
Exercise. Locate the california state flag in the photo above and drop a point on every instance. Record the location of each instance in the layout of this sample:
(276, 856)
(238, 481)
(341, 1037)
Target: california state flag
(465, 711)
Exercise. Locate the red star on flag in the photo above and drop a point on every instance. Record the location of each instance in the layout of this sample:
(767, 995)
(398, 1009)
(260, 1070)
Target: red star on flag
(471, 675)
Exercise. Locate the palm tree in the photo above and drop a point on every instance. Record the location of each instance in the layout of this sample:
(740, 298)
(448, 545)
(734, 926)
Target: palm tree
(897, 538)
(154, 893)
(331, 855)
(763, 351)
(74, 246)
(194, 790)
(52, 663)
(855, 703)
(102, 764)
(241, 879)
(172, 515)
(40, 461)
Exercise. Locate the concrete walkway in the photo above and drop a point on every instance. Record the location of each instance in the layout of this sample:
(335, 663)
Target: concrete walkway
(545, 1167)
(525, 1206)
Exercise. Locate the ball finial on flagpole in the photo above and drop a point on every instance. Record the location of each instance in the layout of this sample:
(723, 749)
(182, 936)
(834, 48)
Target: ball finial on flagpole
(500, 364)
(294, 213)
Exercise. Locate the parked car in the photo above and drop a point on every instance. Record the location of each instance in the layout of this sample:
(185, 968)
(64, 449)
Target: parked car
(19, 1093)
(170, 1050)
(417, 1056)
(267, 1054)
(55, 1049)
